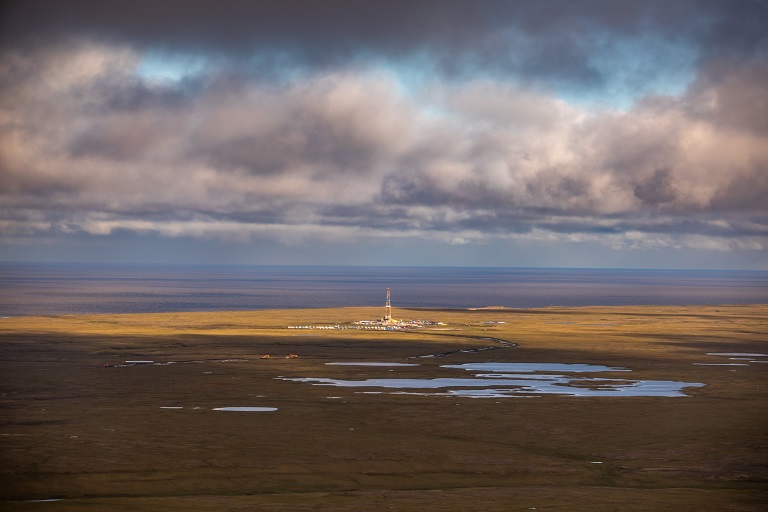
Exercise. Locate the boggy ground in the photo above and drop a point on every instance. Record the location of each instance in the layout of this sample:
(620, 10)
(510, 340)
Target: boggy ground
(98, 438)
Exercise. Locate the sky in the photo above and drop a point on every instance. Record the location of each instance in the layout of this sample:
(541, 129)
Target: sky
(554, 133)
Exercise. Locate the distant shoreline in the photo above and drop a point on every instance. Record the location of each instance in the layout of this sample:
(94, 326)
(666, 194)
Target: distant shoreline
(51, 290)
(373, 310)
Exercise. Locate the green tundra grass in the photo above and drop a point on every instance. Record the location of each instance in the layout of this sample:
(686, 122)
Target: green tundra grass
(102, 438)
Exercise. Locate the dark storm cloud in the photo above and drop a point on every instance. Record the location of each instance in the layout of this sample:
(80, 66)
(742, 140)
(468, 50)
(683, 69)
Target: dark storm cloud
(740, 91)
(655, 189)
(544, 39)
(90, 144)
(747, 192)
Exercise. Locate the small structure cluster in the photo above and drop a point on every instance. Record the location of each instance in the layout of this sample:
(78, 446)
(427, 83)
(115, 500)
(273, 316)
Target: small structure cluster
(387, 323)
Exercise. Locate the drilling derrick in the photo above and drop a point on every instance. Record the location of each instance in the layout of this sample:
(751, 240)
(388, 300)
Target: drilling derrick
(388, 309)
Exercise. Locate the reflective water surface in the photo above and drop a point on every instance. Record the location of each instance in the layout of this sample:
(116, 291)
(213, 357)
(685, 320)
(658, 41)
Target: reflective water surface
(370, 364)
(519, 380)
(55, 289)
(535, 367)
(744, 358)
(246, 409)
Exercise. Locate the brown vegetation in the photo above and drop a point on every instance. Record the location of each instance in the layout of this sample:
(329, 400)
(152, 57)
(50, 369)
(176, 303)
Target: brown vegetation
(100, 437)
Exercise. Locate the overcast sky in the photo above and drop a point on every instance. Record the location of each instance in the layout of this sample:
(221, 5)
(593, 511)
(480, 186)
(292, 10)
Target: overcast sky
(507, 133)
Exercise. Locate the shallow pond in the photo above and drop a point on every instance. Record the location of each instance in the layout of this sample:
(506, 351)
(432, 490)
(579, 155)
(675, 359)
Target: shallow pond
(370, 364)
(744, 358)
(517, 380)
(231, 409)
(246, 409)
(535, 367)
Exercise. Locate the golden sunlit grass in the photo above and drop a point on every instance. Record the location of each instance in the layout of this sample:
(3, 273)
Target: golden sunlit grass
(100, 438)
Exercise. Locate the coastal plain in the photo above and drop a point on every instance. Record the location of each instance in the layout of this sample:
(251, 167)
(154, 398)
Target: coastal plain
(147, 436)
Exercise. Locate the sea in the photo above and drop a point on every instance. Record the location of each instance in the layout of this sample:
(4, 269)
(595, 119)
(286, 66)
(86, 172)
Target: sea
(63, 289)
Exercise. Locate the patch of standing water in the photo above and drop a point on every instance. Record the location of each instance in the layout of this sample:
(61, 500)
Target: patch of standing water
(744, 357)
(520, 380)
(245, 409)
(371, 364)
(736, 354)
(535, 367)
(721, 364)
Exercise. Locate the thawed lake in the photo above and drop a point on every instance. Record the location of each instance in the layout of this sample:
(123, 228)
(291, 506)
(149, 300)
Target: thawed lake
(504, 380)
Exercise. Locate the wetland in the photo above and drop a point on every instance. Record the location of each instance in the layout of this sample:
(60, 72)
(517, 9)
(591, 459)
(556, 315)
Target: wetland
(626, 408)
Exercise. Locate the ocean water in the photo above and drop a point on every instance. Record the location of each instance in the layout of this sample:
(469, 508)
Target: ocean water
(48, 289)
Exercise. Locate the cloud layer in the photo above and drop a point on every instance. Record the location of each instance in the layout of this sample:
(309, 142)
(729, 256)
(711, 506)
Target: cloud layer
(333, 145)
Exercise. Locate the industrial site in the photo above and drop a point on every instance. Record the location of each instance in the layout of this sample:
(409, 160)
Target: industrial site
(386, 323)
